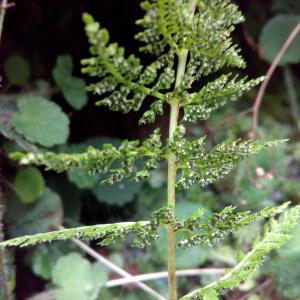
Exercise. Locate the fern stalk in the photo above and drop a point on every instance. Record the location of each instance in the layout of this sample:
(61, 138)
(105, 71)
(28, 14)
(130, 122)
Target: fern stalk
(172, 169)
(171, 204)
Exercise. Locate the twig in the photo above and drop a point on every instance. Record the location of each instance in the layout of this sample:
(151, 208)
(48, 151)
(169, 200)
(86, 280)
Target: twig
(152, 276)
(3, 7)
(269, 74)
(116, 269)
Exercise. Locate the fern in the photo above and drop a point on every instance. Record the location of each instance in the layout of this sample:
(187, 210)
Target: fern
(276, 233)
(217, 227)
(187, 40)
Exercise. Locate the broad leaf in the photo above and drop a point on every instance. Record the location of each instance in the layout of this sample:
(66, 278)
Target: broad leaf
(44, 257)
(118, 194)
(274, 35)
(73, 88)
(41, 121)
(29, 184)
(77, 278)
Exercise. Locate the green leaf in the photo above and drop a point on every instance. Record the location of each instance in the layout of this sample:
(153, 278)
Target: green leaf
(74, 92)
(17, 70)
(73, 88)
(118, 194)
(29, 184)
(77, 278)
(273, 36)
(63, 68)
(191, 257)
(46, 213)
(41, 121)
(44, 257)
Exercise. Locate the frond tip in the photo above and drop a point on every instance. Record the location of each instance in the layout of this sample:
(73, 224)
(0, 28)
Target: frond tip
(276, 233)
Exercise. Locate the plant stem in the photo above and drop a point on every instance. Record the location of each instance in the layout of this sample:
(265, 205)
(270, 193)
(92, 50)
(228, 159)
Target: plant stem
(182, 58)
(2, 15)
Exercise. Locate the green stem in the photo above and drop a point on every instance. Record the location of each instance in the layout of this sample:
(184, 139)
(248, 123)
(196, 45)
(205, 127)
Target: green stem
(182, 58)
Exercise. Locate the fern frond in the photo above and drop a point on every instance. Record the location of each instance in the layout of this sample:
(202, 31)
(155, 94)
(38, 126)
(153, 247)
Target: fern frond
(166, 23)
(119, 162)
(220, 225)
(197, 166)
(107, 233)
(214, 95)
(212, 47)
(201, 167)
(183, 24)
(124, 82)
(277, 232)
(214, 229)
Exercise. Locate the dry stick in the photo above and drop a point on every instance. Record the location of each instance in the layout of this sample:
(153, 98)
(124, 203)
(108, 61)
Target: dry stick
(158, 275)
(269, 74)
(116, 269)
(2, 15)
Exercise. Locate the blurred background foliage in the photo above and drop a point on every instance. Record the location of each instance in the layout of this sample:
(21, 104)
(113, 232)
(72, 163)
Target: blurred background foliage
(44, 105)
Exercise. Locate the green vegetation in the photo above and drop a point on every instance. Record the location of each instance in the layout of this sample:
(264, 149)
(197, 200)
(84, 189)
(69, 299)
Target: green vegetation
(194, 195)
